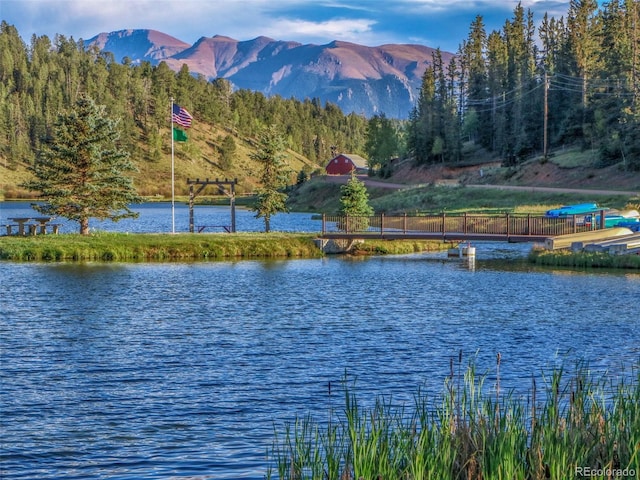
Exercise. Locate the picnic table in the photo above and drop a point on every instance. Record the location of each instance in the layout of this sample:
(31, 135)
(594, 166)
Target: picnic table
(38, 225)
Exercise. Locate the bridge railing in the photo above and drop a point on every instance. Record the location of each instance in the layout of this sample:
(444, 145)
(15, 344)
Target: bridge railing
(444, 223)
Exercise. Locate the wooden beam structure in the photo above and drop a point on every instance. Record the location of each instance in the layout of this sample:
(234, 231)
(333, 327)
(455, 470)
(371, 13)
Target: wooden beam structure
(225, 187)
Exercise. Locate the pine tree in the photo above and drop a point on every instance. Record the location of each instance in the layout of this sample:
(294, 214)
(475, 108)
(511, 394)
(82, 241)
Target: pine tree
(354, 203)
(270, 198)
(382, 144)
(227, 152)
(81, 171)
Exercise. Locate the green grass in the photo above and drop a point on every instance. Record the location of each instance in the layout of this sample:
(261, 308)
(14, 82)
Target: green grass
(578, 420)
(397, 247)
(481, 200)
(568, 258)
(122, 247)
(574, 157)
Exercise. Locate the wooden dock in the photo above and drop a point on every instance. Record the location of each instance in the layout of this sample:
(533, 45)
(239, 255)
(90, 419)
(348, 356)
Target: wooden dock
(453, 227)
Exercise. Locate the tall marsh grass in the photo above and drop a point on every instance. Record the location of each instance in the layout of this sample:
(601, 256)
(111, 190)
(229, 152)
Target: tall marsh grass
(574, 425)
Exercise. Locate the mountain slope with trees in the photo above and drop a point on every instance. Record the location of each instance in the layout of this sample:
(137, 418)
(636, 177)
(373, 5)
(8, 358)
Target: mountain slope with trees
(357, 78)
(517, 98)
(40, 80)
(509, 96)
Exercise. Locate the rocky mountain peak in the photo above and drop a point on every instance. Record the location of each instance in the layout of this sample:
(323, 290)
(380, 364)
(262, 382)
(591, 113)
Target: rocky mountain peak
(361, 79)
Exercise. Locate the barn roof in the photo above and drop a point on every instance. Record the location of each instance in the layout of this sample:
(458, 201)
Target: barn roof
(357, 160)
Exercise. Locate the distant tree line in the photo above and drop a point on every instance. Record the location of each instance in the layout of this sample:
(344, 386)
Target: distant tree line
(517, 92)
(40, 80)
(516, 96)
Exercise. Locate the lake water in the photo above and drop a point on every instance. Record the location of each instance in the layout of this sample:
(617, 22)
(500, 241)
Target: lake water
(157, 218)
(182, 370)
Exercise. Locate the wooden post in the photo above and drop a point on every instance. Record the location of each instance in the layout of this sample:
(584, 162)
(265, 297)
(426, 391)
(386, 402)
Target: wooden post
(381, 223)
(404, 223)
(232, 203)
(191, 197)
(324, 222)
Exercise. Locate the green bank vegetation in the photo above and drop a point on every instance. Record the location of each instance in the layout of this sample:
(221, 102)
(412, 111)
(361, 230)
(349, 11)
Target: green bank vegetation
(577, 423)
(317, 195)
(568, 258)
(124, 247)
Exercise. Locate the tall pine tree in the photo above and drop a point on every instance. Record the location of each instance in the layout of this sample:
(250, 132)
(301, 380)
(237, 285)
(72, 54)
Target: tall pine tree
(81, 172)
(270, 153)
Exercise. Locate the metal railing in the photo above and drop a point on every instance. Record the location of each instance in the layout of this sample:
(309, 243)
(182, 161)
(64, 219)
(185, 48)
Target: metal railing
(507, 225)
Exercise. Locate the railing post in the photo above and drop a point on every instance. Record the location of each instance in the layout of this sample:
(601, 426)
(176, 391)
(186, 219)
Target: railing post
(381, 223)
(464, 224)
(324, 223)
(444, 229)
(507, 218)
(602, 220)
(404, 223)
(529, 224)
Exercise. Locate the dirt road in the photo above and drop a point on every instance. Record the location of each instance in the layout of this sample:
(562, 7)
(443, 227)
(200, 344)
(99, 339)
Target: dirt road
(369, 182)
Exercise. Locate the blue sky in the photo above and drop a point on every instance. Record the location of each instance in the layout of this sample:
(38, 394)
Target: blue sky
(435, 23)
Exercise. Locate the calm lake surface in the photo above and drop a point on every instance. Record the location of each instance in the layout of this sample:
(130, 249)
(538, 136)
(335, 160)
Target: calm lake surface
(155, 217)
(182, 370)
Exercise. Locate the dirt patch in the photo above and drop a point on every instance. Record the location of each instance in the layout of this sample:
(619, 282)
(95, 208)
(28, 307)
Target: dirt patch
(534, 174)
(439, 173)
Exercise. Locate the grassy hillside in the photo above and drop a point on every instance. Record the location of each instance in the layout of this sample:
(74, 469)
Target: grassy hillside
(199, 157)
(441, 187)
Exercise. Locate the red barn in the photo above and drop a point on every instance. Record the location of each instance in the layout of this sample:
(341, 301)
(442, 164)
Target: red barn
(345, 163)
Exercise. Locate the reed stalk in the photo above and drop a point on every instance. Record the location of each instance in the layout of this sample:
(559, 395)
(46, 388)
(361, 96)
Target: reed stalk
(474, 432)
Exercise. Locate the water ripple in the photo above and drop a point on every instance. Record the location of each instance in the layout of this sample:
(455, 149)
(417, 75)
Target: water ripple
(182, 370)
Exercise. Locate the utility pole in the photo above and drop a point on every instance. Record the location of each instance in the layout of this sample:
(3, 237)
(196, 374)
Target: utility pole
(546, 115)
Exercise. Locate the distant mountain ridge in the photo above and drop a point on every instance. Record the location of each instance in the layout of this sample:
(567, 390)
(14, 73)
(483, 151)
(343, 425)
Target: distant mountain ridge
(365, 80)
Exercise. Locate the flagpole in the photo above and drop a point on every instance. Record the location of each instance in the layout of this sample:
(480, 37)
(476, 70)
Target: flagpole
(173, 194)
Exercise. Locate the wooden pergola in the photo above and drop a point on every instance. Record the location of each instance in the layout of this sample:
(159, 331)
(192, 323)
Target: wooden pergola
(225, 187)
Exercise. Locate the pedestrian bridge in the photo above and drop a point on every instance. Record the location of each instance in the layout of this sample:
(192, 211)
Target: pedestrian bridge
(454, 227)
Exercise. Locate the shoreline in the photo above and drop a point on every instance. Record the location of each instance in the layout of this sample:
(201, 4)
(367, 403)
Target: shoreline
(154, 247)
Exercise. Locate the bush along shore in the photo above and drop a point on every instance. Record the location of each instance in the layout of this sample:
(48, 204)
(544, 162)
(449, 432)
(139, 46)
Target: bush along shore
(568, 258)
(578, 426)
(123, 247)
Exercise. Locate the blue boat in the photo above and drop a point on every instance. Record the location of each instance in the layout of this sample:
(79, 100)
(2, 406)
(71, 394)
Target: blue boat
(614, 220)
(632, 224)
(578, 209)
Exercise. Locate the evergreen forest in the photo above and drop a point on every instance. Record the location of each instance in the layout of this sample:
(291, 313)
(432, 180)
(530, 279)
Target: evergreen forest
(522, 91)
(40, 80)
(525, 91)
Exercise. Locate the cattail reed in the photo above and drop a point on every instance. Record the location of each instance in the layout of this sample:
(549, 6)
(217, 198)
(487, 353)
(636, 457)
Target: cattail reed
(581, 422)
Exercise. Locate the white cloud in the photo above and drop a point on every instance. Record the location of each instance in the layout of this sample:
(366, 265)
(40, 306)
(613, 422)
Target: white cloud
(339, 29)
(370, 22)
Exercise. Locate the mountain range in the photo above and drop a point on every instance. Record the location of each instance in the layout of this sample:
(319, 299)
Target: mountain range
(366, 80)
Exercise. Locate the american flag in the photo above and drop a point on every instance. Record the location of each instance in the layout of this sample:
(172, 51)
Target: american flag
(181, 116)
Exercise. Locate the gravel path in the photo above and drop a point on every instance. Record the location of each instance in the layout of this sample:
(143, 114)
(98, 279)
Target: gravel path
(398, 186)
